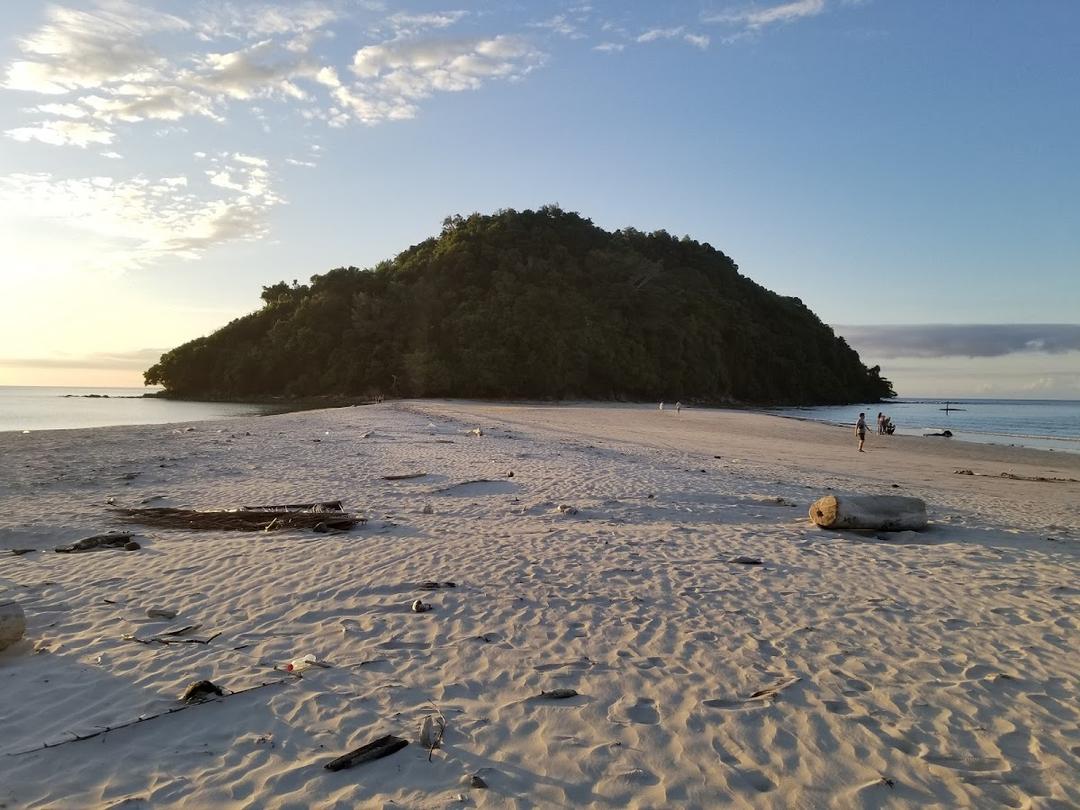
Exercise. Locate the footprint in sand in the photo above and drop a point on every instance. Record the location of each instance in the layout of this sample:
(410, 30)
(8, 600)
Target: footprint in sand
(642, 711)
(837, 707)
(1056, 708)
(733, 704)
(751, 778)
(976, 764)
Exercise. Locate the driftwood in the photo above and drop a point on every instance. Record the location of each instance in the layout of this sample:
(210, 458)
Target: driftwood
(1014, 477)
(376, 749)
(404, 476)
(432, 585)
(110, 540)
(558, 694)
(889, 513)
(12, 623)
(245, 520)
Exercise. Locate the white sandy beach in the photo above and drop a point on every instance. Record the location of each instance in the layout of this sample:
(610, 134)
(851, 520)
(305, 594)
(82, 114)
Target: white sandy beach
(933, 669)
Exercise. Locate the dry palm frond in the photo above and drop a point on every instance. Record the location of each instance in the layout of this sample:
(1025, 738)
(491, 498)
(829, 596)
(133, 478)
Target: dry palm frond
(243, 520)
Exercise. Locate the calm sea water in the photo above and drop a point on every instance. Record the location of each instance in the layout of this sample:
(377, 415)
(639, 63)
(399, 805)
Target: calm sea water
(40, 408)
(1043, 423)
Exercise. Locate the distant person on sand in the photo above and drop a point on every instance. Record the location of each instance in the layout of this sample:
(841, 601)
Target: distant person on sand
(678, 407)
(661, 406)
(860, 431)
(880, 423)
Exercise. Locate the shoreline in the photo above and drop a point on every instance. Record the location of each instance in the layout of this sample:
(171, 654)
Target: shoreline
(1063, 444)
(1060, 444)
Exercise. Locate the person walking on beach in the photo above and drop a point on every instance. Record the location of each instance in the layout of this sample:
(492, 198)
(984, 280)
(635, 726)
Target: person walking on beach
(678, 407)
(860, 431)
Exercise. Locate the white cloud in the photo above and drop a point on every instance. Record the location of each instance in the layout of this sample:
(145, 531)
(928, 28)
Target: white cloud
(107, 60)
(83, 49)
(392, 76)
(609, 47)
(65, 110)
(755, 18)
(560, 24)
(697, 40)
(140, 102)
(406, 26)
(654, 34)
(137, 221)
(61, 133)
(101, 70)
(256, 21)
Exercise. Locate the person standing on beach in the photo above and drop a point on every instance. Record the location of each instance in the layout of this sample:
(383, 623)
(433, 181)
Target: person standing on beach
(860, 431)
(880, 423)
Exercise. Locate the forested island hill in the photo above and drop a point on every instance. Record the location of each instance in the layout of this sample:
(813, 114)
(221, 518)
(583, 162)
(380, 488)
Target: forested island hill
(530, 304)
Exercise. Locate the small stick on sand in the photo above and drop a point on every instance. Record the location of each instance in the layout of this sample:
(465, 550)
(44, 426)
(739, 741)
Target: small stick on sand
(449, 487)
(106, 729)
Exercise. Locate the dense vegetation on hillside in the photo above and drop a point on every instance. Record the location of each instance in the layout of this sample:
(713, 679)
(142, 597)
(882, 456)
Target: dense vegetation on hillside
(531, 304)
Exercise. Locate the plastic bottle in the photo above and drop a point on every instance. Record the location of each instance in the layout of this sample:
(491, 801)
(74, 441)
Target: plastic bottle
(300, 664)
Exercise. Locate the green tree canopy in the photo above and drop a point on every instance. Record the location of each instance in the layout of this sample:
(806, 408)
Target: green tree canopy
(530, 304)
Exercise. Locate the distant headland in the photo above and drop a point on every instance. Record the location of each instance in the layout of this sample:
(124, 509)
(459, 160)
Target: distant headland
(532, 304)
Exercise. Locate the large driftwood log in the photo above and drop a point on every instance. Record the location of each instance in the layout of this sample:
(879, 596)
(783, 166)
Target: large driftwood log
(12, 623)
(889, 513)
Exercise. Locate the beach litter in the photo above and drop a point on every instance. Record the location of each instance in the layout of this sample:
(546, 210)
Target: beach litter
(376, 749)
(432, 730)
(773, 691)
(305, 662)
(420, 606)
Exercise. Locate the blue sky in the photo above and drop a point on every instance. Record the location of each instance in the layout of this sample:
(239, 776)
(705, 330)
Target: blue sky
(910, 165)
